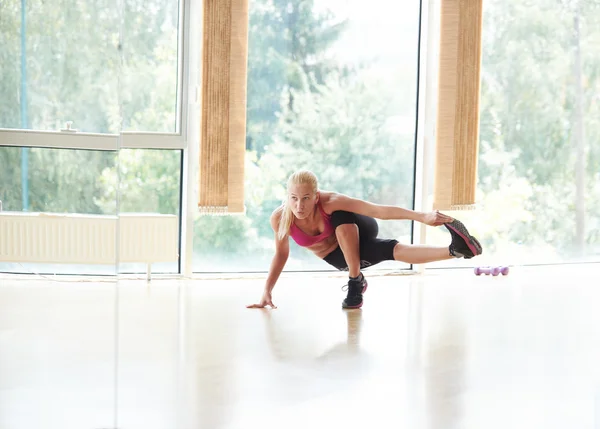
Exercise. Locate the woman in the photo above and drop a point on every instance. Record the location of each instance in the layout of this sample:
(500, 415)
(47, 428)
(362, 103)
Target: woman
(343, 232)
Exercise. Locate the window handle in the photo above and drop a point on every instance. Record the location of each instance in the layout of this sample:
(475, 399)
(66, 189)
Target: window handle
(68, 128)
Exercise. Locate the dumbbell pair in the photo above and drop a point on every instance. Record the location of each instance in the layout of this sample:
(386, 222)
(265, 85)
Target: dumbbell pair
(494, 271)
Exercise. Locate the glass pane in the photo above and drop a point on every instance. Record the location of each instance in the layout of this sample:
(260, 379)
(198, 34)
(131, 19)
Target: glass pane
(59, 62)
(539, 155)
(330, 89)
(149, 79)
(67, 186)
(149, 197)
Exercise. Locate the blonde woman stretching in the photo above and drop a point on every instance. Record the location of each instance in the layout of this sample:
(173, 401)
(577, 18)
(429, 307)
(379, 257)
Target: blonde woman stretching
(343, 232)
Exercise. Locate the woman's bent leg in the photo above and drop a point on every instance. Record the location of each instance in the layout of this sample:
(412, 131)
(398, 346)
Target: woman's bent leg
(347, 237)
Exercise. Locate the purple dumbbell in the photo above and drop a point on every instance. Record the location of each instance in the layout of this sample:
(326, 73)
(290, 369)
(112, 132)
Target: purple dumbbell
(494, 271)
(482, 270)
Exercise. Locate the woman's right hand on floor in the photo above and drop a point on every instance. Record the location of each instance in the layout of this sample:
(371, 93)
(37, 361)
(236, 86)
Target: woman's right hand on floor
(264, 301)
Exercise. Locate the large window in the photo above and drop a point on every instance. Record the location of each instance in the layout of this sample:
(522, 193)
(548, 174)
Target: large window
(539, 161)
(93, 63)
(91, 113)
(332, 87)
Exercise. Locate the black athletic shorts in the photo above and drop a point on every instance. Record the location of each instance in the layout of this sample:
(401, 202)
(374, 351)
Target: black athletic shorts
(373, 250)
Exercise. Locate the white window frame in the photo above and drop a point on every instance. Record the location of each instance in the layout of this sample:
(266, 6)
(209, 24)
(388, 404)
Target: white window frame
(126, 139)
(192, 79)
(53, 139)
(426, 133)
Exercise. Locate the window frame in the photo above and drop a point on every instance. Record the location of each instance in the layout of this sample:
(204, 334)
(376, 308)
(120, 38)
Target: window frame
(75, 140)
(124, 139)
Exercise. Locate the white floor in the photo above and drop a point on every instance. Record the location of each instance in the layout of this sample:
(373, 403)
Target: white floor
(443, 350)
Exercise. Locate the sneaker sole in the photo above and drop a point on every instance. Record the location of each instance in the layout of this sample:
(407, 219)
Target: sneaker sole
(472, 243)
(350, 307)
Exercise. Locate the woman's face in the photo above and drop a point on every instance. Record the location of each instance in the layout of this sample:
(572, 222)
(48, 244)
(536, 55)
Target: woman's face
(302, 200)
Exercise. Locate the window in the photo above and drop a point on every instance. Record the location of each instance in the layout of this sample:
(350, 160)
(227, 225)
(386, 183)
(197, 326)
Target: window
(103, 68)
(62, 67)
(150, 66)
(332, 87)
(85, 90)
(149, 182)
(59, 181)
(539, 153)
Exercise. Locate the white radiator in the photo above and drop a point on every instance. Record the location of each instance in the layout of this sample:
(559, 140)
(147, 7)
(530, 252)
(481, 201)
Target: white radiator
(88, 239)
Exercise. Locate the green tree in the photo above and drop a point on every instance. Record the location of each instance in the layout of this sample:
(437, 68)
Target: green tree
(60, 180)
(287, 41)
(148, 92)
(148, 181)
(537, 95)
(341, 130)
(9, 65)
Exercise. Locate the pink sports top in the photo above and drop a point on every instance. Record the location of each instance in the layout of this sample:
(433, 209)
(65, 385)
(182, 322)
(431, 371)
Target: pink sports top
(304, 240)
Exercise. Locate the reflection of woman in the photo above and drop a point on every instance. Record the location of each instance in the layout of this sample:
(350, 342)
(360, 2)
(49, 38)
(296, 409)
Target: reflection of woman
(280, 344)
(343, 232)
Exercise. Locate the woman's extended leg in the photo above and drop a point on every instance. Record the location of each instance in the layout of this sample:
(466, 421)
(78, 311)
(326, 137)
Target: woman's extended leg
(463, 245)
(420, 253)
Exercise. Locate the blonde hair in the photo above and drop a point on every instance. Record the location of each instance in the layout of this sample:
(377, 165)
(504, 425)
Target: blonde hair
(301, 177)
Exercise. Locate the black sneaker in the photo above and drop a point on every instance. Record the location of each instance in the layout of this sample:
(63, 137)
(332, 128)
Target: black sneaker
(463, 245)
(356, 288)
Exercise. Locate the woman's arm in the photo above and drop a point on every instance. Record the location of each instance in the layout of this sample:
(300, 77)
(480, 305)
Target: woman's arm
(277, 265)
(282, 251)
(384, 212)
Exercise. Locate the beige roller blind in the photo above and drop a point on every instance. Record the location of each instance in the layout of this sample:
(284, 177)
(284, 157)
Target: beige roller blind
(457, 129)
(223, 129)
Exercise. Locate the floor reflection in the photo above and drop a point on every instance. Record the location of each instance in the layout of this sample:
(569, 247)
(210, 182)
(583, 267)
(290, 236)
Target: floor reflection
(435, 352)
(445, 371)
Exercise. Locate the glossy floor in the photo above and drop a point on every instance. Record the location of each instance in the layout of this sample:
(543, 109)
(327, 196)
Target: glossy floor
(443, 350)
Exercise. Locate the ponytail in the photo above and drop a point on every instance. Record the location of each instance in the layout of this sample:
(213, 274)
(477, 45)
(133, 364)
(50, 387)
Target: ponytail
(285, 222)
